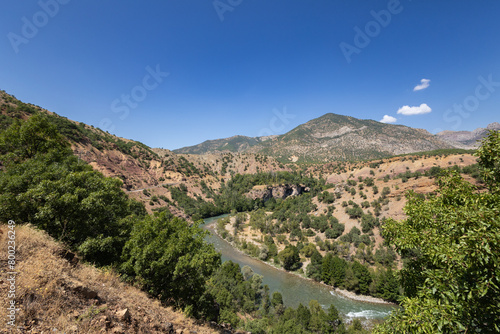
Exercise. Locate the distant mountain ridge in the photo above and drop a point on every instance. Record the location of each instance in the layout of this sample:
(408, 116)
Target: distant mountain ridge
(467, 139)
(232, 144)
(330, 137)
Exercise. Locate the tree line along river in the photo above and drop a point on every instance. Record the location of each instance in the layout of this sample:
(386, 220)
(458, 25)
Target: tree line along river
(293, 288)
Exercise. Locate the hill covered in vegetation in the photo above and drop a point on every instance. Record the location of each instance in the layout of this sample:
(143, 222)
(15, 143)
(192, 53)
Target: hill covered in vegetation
(44, 184)
(331, 222)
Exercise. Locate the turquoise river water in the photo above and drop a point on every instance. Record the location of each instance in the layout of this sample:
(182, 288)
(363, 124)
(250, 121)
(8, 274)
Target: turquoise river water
(296, 289)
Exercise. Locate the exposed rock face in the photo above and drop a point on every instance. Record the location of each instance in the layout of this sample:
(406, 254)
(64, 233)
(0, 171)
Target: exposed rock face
(331, 137)
(282, 191)
(467, 139)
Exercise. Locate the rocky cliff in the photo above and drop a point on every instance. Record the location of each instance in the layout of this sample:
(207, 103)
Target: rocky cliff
(266, 192)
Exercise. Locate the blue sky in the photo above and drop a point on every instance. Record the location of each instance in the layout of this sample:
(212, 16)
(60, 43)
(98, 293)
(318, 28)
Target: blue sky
(175, 73)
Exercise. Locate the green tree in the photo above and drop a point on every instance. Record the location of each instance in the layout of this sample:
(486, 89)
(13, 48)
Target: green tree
(356, 327)
(276, 299)
(290, 258)
(489, 160)
(363, 277)
(452, 245)
(303, 316)
(43, 183)
(333, 270)
(25, 140)
(387, 285)
(314, 269)
(170, 258)
(333, 321)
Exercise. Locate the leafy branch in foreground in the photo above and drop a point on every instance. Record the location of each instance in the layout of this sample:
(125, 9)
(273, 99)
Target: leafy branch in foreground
(452, 246)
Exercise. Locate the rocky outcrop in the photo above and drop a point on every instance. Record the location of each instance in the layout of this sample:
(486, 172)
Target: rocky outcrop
(266, 192)
(467, 139)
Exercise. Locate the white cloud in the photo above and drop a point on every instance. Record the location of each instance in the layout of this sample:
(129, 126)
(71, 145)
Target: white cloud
(416, 110)
(388, 119)
(424, 83)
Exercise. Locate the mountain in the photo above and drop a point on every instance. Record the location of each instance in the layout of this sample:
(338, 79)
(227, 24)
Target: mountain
(467, 139)
(331, 137)
(231, 144)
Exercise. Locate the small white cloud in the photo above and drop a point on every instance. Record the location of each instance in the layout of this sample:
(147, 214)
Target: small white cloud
(388, 119)
(424, 83)
(416, 110)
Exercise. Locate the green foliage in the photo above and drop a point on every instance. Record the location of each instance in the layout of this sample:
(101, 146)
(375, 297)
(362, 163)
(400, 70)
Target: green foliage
(44, 184)
(290, 258)
(308, 250)
(326, 197)
(489, 160)
(197, 208)
(235, 292)
(170, 258)
(24, 140)
(451, 243)
(276, 299)
(355, 212)
(386, 285)
(386, 191)
(385, 257)
(368, 222)
(443, 152)
(356, 328)
(335, 231)
(354, 236)
(333, 270)
(363, 278)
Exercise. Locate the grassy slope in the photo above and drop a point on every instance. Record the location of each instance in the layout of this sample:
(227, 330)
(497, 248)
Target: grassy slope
(48, 293)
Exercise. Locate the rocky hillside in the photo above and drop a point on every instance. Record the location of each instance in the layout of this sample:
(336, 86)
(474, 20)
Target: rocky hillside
(333, 137)
(358, 195)
(467, 139)
(139, 166)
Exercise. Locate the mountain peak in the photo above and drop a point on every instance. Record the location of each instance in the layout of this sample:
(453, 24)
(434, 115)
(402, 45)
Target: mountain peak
(493, 126)
(467, 139)
(330, 137)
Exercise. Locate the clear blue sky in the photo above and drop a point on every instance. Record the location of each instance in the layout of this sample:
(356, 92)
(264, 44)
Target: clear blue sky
(234, 64)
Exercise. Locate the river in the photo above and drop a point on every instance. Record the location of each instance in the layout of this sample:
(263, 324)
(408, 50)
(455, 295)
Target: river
(296, 289)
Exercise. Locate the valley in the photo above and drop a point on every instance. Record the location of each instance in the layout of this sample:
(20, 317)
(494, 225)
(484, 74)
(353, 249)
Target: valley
(303, 215)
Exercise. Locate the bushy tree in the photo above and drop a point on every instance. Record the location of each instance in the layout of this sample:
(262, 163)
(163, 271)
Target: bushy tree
(170, 258)
(363, 277)
(276, 299)
(333, 270)
(489, 160)
(290, 258)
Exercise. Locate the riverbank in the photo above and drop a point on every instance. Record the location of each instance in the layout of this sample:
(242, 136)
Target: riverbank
(339, 292)
(361, 298)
